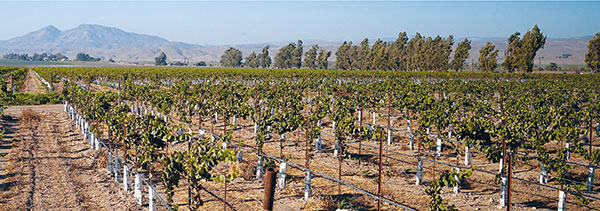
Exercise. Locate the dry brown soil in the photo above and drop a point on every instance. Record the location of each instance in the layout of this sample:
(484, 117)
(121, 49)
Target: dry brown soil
(50, 167)
(32, 84)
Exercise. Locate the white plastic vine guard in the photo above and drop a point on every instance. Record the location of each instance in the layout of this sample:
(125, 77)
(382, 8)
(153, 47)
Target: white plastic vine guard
(419, 178)
(259, 168)
(389, 137)
(412, 141)
(281, 177)
(318, 145)
(240, 156)
(438, 151)
(503, 190)
(151, 203)
(126, 178)
(307, 189)
(562, 200)
(467, 156)
(457, 187)
(590, 184)
(137, 191)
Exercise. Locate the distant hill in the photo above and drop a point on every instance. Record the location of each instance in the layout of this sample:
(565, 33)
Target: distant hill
(110, 42)
(98, 41)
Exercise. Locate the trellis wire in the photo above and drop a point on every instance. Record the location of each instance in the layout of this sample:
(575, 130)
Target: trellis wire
(476, 169)
(296, 166)
(163, 202)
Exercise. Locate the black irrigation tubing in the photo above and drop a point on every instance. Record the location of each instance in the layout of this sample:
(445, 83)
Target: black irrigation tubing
(569, 162)
(302, 168)
(427, 159)
(518, 153)
(417, 157)
(240, 188)
(476, 169)
(470, 145)
(400, 160)
(400, 153)
(325, 176)
(176, 120)
(164, 203)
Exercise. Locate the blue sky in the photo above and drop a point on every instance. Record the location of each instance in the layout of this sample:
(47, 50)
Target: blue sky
(260, 22)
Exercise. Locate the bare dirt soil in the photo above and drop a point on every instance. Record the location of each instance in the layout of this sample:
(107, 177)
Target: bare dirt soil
(50, 167)
(32, 84)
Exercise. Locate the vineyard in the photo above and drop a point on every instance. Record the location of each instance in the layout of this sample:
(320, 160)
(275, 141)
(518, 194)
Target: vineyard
(200, 139)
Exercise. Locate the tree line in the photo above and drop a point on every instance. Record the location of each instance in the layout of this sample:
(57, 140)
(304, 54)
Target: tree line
(36, 57)
(49, 57)
(288, 57)
(418, 53)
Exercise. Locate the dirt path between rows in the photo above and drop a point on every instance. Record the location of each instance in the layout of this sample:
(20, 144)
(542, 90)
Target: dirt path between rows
(32, 84)
(50, 167)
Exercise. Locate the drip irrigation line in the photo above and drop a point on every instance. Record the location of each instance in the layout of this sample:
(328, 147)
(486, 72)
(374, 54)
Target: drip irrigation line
(298, 167)
(400, 153)
(470, 145)
(260, 202)
(163, 202)
(240, 188)
(324, 176)
(417, 157)
(476, 169)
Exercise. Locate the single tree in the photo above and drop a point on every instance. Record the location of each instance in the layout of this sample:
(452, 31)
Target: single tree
(353, 55)
(252, 61)
(161, 59)
(364, 55)
(231, 58)
(85, 58)
(201, 64)
(322, 59)
(461, 54)
(343, 60)
(532, 41)
(510, 55)
(487, 57)
(396, 50)
(592, 58)
(441, 57)
(310, 58)
(284, 58)
(297, 55)
(264, 58)
(552, 67)
(379, 56)
(414, 47)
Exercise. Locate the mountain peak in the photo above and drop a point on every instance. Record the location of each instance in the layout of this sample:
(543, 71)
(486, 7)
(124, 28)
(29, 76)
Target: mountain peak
(50, 28)
(36, 38)
(85, 36)
(95, 27)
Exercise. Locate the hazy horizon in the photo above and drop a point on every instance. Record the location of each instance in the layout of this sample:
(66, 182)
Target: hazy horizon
(234, 23)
